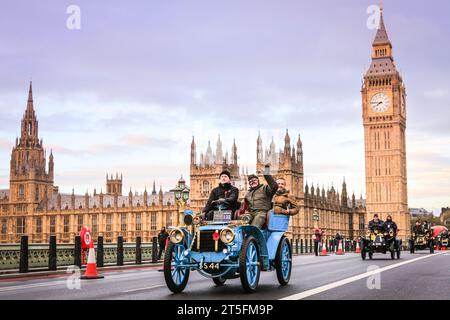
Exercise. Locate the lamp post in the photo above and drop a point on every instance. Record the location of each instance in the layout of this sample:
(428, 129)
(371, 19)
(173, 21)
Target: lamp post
(181, 193)
(315, 217)
(180, 205)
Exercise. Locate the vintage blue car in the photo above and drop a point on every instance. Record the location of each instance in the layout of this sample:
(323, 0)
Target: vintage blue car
(224, 249)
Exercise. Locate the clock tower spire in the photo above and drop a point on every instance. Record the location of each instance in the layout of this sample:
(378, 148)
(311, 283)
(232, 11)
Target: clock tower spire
(384, 119)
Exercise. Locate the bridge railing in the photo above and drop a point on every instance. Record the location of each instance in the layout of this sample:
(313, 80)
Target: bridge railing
(26, 257)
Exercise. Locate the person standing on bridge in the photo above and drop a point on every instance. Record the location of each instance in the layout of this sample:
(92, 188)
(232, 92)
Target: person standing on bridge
(162, 237)
(317, 236)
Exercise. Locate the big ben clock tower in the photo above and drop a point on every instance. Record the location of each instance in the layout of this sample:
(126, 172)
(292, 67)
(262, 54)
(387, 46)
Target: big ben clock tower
(384, 118)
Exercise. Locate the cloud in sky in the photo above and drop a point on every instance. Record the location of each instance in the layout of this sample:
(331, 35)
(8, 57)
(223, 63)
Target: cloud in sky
(127, 91)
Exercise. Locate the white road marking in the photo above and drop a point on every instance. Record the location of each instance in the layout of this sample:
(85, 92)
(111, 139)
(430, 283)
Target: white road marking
(336, 284)
(64, 282)
(34, 285)
(146, 288)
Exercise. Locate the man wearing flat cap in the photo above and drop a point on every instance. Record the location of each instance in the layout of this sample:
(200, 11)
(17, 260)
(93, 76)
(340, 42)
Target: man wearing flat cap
(259, 197)
(225, 194)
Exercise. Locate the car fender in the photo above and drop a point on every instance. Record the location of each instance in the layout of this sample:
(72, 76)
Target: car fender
(272, 243)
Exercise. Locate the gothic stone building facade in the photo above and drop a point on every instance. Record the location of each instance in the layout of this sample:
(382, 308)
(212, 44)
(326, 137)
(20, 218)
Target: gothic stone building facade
(337, 213)
(34, 206)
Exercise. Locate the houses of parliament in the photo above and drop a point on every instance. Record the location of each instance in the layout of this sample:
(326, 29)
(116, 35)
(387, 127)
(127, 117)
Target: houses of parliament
(34, 206)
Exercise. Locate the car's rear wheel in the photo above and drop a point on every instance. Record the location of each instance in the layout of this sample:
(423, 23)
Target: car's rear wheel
(249, 267)
(219, 281)
(176, 277)
(283, 261)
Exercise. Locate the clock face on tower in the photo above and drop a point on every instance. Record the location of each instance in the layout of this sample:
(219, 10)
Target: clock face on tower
(379, 102)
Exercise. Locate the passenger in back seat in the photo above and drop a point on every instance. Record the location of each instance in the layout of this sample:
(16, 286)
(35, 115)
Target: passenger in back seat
(284, 203)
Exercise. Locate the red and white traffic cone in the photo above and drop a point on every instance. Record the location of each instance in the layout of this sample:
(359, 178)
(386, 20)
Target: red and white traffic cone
(358, 249)
(340, 251)
(324, 250)
(91, 269)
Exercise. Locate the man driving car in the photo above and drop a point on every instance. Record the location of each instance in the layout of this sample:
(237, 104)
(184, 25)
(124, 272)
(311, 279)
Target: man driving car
(376, 224)
(225, 195)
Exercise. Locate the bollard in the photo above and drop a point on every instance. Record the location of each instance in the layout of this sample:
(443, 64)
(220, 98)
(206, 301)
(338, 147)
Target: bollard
(77, 252)
(301, 246)
(120, 251)
(296, 246)
(138, 251)
(154, 249)
(52, 254)
(23, 264)
(100, 252)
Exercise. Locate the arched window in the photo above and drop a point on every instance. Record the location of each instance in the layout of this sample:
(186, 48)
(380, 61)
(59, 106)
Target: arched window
(21, 192)
(206, 187)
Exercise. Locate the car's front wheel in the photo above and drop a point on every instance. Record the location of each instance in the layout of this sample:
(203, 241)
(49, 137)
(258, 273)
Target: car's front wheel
(175, 274)
(249, 267)
(283, 261)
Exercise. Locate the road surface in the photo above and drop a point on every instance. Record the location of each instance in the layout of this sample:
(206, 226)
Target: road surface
(417, 276)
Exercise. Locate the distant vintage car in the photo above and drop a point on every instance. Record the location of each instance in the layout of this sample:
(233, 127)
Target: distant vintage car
(224, 249)
(441, 237)
(421, 241)
(380, 242)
